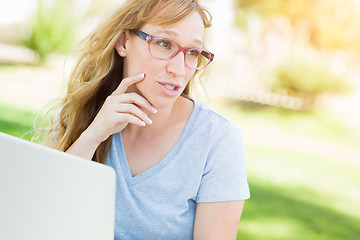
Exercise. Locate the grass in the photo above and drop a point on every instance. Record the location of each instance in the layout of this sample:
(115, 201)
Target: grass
(296, 194)
(299, 195)
(320, 124)
(18, 121)
(286, 213)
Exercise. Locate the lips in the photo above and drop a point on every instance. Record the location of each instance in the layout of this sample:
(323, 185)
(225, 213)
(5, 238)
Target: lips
(169, 88)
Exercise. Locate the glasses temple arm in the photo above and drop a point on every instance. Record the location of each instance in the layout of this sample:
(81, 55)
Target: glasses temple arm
(141, 34)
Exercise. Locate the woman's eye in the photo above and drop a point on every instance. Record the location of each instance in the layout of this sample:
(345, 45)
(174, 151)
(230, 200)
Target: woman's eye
(193, 53)
(164, 44)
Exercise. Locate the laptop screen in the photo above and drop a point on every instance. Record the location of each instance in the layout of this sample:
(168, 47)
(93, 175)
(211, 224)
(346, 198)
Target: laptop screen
(48, 194)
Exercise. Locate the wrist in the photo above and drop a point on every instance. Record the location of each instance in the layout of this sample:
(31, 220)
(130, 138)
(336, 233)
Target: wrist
(90, 139)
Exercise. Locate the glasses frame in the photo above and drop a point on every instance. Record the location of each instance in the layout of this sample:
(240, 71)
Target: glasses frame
(149, 38)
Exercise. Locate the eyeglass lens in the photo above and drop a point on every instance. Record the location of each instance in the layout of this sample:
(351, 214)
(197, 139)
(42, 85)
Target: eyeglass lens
(165, 49)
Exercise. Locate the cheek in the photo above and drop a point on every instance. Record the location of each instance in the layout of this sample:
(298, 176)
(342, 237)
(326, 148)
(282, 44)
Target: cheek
(138, 59)
(189, 74)
(144, 64)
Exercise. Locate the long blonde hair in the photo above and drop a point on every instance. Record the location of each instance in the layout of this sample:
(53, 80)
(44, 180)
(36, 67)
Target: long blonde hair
(99, 69)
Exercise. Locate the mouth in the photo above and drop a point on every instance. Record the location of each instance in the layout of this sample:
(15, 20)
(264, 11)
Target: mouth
(170, 88)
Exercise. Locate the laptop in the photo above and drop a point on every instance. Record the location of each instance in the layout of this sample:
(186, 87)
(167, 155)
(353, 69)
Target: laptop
(47, 194)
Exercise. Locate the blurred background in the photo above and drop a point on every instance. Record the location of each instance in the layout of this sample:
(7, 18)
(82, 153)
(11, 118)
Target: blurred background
(287, 72)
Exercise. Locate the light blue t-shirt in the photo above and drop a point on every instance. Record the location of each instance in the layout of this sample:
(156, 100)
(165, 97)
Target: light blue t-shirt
(207, 164)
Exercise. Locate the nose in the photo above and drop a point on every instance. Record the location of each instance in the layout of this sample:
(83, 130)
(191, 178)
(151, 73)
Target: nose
(176, 65)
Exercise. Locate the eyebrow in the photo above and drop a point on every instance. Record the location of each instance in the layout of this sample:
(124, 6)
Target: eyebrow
(169, 32)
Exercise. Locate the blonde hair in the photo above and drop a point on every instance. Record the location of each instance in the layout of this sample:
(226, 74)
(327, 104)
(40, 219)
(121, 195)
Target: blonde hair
(99, 69)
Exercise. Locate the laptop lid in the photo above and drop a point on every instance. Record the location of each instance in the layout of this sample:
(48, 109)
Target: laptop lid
(47, 194)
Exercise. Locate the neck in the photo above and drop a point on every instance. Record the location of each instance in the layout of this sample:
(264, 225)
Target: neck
(162, 120)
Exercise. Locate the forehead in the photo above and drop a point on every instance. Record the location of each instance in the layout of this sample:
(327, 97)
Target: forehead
(189, 30)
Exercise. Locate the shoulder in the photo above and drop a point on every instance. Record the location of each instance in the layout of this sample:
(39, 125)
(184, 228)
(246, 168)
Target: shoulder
(208, 120)
(224, 175)
(219, 135)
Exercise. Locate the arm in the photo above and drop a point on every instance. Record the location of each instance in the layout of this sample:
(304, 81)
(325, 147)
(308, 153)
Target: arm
(85, 146)
(118, 110)
(223, 188)
(217, 220)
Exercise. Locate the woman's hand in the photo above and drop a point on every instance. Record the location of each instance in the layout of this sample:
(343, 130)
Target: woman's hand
(118, 110)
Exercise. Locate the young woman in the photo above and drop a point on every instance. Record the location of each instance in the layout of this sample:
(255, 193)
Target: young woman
(180, 166)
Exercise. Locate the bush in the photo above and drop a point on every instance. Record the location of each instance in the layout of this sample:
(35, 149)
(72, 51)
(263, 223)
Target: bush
(307, 80)
(52, 29)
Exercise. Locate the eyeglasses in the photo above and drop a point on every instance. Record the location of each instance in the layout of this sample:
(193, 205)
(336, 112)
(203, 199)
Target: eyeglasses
(166, 49)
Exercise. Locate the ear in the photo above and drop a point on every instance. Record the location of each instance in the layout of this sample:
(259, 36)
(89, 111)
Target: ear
(120, 45)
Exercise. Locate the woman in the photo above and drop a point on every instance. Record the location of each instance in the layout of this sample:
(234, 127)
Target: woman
(180, 166)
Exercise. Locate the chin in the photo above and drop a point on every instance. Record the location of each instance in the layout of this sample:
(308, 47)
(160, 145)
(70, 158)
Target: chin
(163, 102)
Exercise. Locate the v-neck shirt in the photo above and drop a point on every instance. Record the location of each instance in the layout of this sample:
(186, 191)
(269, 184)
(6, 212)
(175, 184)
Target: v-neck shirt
(207, 164)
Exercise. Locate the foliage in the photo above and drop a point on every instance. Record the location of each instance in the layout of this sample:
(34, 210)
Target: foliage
(292, 9)
(52, 29)
(307, 80)
(331, 24)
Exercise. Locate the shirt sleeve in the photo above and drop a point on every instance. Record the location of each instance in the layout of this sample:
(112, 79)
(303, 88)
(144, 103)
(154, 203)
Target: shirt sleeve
(224, 177)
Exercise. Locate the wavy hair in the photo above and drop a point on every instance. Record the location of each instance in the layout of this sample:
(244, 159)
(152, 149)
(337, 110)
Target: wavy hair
(99, 69)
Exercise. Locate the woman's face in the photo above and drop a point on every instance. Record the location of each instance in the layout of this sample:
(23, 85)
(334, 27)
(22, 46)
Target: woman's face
(162, 75)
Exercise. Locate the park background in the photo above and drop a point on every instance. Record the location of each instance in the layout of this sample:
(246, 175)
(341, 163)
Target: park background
(286, 72)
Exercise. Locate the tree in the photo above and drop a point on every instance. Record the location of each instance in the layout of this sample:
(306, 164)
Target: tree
(307, 80)
(52, 28)
(332, 24)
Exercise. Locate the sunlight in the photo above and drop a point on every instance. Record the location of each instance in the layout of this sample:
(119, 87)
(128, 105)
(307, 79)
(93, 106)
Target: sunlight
(16, 10)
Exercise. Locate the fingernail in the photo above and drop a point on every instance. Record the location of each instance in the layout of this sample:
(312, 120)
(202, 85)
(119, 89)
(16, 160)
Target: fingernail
(154, 110)
(141, 75)
(149, 120)
(143, 124)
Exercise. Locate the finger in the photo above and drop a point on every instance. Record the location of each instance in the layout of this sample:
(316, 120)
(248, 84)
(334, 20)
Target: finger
(134, 110)
(126, 82)
(129, 118)
(133, 98)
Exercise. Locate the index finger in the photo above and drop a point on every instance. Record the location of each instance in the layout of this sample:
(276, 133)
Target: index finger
(126, 82)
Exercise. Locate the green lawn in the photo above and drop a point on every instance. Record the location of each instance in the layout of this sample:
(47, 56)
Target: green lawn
(295, 193)
(298, 193)
(17, 121)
